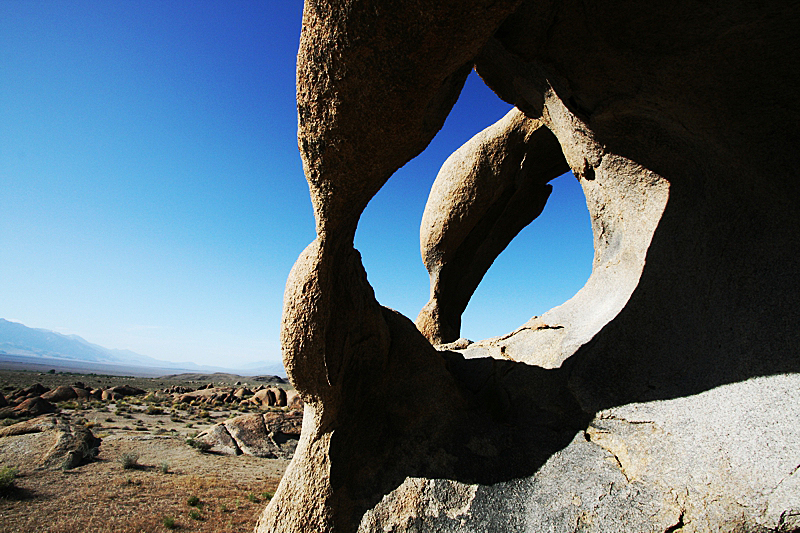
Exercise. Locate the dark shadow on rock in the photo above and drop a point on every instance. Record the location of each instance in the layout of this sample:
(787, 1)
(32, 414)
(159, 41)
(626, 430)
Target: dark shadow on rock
(701, 317)
(438, 415)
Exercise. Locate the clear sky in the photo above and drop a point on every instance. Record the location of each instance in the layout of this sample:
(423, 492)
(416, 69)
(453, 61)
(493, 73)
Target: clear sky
(153, 197)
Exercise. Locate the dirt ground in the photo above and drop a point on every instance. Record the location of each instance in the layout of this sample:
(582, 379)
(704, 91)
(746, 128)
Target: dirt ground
(173, 486)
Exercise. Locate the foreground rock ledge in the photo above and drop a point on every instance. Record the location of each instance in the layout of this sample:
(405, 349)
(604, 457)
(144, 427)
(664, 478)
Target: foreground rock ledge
(664, 395)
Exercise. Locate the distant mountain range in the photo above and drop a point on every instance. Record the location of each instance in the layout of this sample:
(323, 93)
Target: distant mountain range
(36, 345)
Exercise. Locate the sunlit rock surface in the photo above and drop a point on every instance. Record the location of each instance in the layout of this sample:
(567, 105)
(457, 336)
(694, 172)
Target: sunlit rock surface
(663, 396)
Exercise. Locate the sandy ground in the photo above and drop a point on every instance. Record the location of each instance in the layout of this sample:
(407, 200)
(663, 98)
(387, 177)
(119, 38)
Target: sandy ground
(103, 496)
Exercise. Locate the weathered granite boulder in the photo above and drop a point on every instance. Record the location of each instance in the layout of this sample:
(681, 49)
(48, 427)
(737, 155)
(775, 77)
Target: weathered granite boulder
(662, 396)
(127, 390)
(272, 397)
(272, 435)
(65, 445)
(31, 407)
(108, 395)
(33, 391)
(61, 393)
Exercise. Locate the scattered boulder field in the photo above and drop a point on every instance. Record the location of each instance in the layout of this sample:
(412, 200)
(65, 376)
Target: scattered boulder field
(272, 433)
(260, 396)
(38, 399)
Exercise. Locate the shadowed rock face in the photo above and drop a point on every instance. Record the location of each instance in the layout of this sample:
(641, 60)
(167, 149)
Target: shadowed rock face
(661, 396)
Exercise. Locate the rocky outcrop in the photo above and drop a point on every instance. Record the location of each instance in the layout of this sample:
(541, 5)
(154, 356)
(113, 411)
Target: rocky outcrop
(261, 397)
(662, 396)
(66, 445)
(61, 393)
(27, 408)
(127, 390)
(272, 435)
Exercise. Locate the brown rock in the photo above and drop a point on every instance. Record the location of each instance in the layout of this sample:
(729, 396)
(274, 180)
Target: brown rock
(220, 440)
(243, 392)
(61, 393)
(68, 445)
(281, 399)
(264, 397)
(36, 389)
(81, 393)
(127, 390)
(272, 435)
(34, 407)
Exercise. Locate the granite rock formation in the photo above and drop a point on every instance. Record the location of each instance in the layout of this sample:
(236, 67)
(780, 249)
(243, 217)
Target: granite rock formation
(485, 193)
(271, 435)
(663, 396)
(64, 444)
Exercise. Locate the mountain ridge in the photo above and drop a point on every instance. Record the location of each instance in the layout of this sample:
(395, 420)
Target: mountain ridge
(17, 339)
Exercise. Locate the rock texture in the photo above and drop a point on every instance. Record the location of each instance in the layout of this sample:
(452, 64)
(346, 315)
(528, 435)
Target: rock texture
(65, 445)
(271, 435)
(663, 396)
(485, 193)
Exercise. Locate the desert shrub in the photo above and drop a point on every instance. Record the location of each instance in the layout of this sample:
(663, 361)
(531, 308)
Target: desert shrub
(252, 497)
(130, 461)
(267, 495)
(153, 410)
(204, 414)
(169, 522)
(194, 514)
(193, 501)
(198, 444)
(7, 477)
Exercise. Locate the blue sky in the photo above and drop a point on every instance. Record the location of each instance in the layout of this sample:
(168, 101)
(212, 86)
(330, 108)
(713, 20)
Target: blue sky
(153, 196)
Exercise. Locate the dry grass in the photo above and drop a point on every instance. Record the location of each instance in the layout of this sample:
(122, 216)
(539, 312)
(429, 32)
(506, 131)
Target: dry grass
(105, 506)
(102, 496)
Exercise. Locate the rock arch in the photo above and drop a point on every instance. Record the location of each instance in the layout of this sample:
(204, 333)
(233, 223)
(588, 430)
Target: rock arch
(663, 395)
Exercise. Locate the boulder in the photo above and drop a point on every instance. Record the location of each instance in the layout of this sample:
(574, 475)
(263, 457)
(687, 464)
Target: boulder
(265, 397)
(81, 394)
(243, 392)
(36, 389)
(662, 396)
(31, 407)
(109, 394)
(67, 445)
(61, 393)
(127, 390)
(270, 435)
(281, 398)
